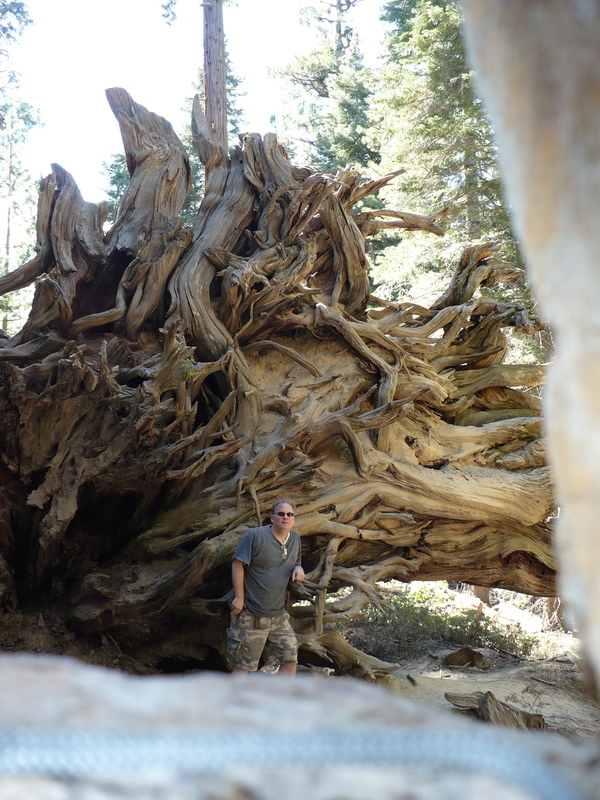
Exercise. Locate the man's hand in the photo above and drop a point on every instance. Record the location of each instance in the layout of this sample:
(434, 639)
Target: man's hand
(298, 574)
(237, 605)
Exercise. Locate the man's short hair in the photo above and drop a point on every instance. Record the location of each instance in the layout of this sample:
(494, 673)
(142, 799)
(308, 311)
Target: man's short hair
(280, 502)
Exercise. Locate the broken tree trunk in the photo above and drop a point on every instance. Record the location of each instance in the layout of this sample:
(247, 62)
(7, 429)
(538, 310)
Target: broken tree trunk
(170, 383)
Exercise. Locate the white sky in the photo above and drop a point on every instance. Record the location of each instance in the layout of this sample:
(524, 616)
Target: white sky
(78, 48)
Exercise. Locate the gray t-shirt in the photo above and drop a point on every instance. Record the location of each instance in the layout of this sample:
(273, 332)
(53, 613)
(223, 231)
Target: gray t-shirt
(266, 571)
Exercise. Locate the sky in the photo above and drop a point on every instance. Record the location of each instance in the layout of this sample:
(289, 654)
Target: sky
(76, 49)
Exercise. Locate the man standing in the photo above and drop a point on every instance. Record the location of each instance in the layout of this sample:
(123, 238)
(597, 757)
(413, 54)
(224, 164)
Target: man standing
(265, 560)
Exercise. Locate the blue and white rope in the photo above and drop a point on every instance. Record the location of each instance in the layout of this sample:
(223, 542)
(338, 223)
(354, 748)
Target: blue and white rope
(81, 754)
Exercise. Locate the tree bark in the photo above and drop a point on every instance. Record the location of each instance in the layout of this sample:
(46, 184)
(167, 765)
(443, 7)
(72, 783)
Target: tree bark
(488, 708)
(538, 69)
(215, 76)
(171, 383)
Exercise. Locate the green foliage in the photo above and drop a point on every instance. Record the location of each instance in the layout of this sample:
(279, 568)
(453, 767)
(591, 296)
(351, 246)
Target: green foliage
(14, 309)
(416, 267)
(333, 91)
(14, 17)
(343, 134)
(530, 699)
(314, 72)
(168, 11)
(18, 193)
(117, 176)
(412, 619)
(235, 110)
(434, 125)
(17, 190)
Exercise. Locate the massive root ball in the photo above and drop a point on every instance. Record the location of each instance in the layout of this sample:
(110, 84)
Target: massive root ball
(170, 383)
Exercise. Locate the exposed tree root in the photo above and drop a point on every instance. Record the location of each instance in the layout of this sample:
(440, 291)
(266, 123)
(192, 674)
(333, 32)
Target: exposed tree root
(169, 384)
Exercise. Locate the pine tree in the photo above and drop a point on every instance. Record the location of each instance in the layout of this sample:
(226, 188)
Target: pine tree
(333, 91)
(14, 18)
(435, 128)
(117, 180)
(17, 192)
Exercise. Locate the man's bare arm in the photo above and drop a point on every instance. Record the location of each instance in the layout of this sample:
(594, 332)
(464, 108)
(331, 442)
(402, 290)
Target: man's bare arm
(237, 579)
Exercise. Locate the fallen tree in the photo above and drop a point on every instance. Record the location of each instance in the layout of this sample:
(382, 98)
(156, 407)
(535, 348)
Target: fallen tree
(171, 382)
(177, 735)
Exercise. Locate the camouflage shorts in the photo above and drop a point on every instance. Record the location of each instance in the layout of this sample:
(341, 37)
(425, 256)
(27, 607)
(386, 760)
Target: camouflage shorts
(275, 640)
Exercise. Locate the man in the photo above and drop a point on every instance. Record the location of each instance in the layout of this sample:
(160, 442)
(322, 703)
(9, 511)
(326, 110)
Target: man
(265, 560)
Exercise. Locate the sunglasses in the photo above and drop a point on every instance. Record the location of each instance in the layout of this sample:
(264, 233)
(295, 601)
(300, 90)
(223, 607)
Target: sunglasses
(285, 514)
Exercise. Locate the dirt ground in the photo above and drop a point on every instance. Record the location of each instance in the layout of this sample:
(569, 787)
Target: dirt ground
(25, 631)
(551, 682)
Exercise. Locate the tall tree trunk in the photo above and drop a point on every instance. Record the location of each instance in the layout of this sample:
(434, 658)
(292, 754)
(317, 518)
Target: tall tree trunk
(473, 206)
(9, 201)
(215, 77)
(339, 43)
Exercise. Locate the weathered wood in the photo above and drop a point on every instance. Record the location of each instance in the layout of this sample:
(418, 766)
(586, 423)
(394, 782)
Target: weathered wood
(465, 657)
(147, 225)
(70, 252)
(488, 708)
(400, 749)
(538, 69)
(195, 376)
(39, 263)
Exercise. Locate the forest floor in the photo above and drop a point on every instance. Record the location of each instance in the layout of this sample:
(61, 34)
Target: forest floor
(526, 659)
